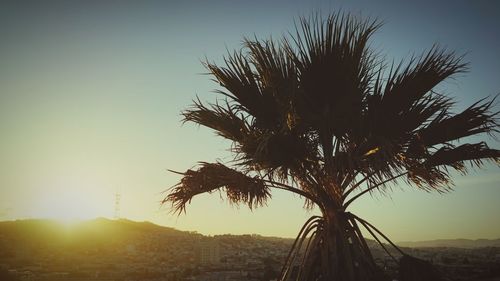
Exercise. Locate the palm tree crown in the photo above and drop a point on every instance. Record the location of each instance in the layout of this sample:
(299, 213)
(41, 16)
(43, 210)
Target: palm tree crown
(320, 114)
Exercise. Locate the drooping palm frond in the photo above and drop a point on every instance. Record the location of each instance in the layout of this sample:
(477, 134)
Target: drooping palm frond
(210, 177)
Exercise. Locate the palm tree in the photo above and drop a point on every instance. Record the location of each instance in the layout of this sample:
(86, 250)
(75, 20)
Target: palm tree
(320, 114)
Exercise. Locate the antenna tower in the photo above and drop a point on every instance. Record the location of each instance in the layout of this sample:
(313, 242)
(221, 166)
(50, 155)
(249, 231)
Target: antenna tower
(117, 205)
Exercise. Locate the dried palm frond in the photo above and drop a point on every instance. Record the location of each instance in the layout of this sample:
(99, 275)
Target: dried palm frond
(239, 188)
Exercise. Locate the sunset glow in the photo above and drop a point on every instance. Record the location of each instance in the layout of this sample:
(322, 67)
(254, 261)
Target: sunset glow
(67, 206)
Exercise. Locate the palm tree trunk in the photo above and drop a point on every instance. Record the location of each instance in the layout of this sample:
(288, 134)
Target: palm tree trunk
(334, 250)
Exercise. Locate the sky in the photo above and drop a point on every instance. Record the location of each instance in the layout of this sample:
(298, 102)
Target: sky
(91, 94)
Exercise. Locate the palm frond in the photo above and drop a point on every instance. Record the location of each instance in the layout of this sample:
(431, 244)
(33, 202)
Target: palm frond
(275, 152)
(406, 100)
(433, 174)
(419, 77)
(429, 178)
(455, 157)
(221, 118)
(210, 177)
(476, 119)
(335, 70)
(277, 74)
(243, 88)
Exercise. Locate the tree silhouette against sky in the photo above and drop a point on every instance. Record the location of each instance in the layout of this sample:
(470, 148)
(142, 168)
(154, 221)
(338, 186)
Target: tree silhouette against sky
(320, 114)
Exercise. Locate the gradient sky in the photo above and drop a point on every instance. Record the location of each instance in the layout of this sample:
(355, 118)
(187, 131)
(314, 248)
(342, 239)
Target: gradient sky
(91, 91)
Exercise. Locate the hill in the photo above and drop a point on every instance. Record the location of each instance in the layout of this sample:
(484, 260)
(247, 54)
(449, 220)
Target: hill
(44, 231)
(453, 243)
(100, 232)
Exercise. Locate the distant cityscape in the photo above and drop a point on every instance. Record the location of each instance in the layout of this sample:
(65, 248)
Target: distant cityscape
(123, 250)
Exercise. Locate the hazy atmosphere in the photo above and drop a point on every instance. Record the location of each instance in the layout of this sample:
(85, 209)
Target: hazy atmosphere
(91, 94)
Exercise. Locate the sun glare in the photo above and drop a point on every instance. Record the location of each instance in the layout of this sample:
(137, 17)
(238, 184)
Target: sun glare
(69, 220)
(68, 207)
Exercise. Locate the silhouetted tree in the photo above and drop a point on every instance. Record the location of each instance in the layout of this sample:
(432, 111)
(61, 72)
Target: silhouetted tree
(320, 114)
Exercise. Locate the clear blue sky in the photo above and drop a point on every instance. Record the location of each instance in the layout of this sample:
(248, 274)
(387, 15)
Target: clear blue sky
(90, 95)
